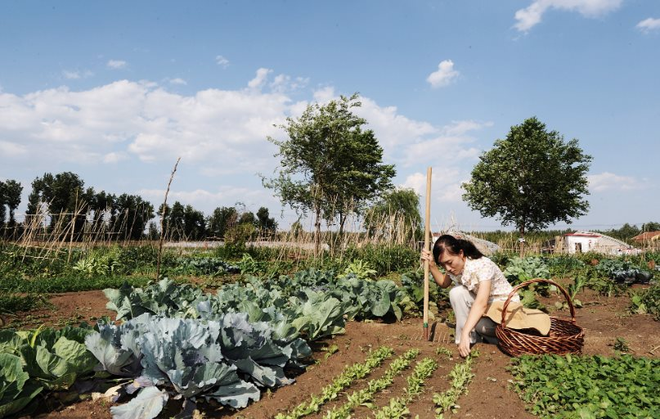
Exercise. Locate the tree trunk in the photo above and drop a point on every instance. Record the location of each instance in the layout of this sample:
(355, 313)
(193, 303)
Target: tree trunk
(317, 231)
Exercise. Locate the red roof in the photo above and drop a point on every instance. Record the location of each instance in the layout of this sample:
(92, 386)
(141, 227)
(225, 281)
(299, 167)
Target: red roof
(647, 236)
(593, 235)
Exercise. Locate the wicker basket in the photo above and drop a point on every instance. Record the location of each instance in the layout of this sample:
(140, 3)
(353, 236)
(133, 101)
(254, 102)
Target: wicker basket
(565, 336)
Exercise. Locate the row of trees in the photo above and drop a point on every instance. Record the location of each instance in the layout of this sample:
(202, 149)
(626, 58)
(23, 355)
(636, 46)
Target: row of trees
(60, 206)
(10, 199)
(331, 168)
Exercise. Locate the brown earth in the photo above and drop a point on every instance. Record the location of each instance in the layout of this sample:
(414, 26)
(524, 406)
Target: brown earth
(604, 319)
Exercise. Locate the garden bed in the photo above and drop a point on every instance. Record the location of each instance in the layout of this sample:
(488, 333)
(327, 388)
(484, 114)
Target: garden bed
(606, 321)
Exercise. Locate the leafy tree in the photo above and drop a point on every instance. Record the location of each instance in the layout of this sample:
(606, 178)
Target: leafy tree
(12, 199)
(173, 220)
(531, 179)
(329, 165)
(247, 218)
(265, 223)
(61, 196)
(651, 226)
(102, 206)
(3, 209)
(221, 220)
(396, 214)
(194, 224)
(624, 233)
(132, 216)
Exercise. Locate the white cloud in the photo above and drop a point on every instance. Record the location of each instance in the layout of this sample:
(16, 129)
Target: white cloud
(114, 157)
(445, 184)
(607, 181)
(532, 15)
(13, 150)
(283, 83)
(116, 64)
(392, 129)
(76, 75)
(324, 94)
(178, 81)
(125, 119)
(222, 61)
(649, 25)
(260, 79)
(462, 127)
(444, 75)
(219, 134)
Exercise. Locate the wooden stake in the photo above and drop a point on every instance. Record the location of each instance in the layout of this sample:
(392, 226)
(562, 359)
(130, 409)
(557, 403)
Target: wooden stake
(427, 240)
(162, 220)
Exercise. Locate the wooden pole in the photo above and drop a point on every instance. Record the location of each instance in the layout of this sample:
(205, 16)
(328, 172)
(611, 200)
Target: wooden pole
(427, 240)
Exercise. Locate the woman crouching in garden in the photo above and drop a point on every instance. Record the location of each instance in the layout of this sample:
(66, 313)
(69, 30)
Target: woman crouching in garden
(478, 282)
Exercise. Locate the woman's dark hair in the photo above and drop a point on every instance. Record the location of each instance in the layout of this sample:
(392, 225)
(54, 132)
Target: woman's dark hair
(454, 246)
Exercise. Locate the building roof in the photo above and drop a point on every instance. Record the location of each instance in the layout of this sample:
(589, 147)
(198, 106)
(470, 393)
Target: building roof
(611, 240)
(583, 234)
(647, 236)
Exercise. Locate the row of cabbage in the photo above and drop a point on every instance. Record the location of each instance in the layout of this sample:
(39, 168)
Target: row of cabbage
(173, 340)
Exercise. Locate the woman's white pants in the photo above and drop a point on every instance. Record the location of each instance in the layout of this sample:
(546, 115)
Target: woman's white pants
(461, 301)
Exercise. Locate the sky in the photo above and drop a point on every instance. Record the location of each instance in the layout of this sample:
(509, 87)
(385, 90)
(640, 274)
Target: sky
(116, 92)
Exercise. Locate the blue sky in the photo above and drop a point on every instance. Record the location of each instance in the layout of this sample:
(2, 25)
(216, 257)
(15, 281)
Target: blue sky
(117, 91)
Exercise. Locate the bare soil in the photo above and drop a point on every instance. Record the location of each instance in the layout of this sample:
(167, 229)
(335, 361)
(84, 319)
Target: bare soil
(604, 319)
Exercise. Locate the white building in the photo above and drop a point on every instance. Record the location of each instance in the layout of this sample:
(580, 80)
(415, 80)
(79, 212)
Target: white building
(587, 241)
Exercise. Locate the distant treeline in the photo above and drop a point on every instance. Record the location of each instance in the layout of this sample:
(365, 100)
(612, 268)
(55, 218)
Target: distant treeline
(60, 207)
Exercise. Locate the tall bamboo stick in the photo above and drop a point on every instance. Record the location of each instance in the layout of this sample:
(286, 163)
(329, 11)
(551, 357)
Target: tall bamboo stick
(427, 240)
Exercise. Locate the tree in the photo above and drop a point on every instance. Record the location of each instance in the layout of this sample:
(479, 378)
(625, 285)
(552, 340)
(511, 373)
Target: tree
(221, 220)
(531, 179)
(133, 215)
(63, 198)
(13, 190)
(651, 226)
(329, 165)
(266, 224)
(194, 224)
(3, 201)
(395, 215)
(625, 232)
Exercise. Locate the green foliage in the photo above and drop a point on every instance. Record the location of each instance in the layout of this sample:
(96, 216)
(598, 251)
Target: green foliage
(412, 284)
(646, 301)
(16, 390)
(12, 303)
(68, 283)
(397, 407)
(204, 265)
(340, 383)
(623, 272)
(100, 266)
(395, 215)
(365, 396)
(621, 345)
(531, 179)
(383, 258)
(588, 386)
(360, 270)
(329, 165)
(461, 376)
(519, 270)
(561, 266)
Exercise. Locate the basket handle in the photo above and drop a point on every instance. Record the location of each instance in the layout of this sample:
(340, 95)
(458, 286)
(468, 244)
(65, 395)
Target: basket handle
(531, 281)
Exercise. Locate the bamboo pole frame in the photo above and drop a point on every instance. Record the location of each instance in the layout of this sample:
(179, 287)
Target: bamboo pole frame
(427, 240)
